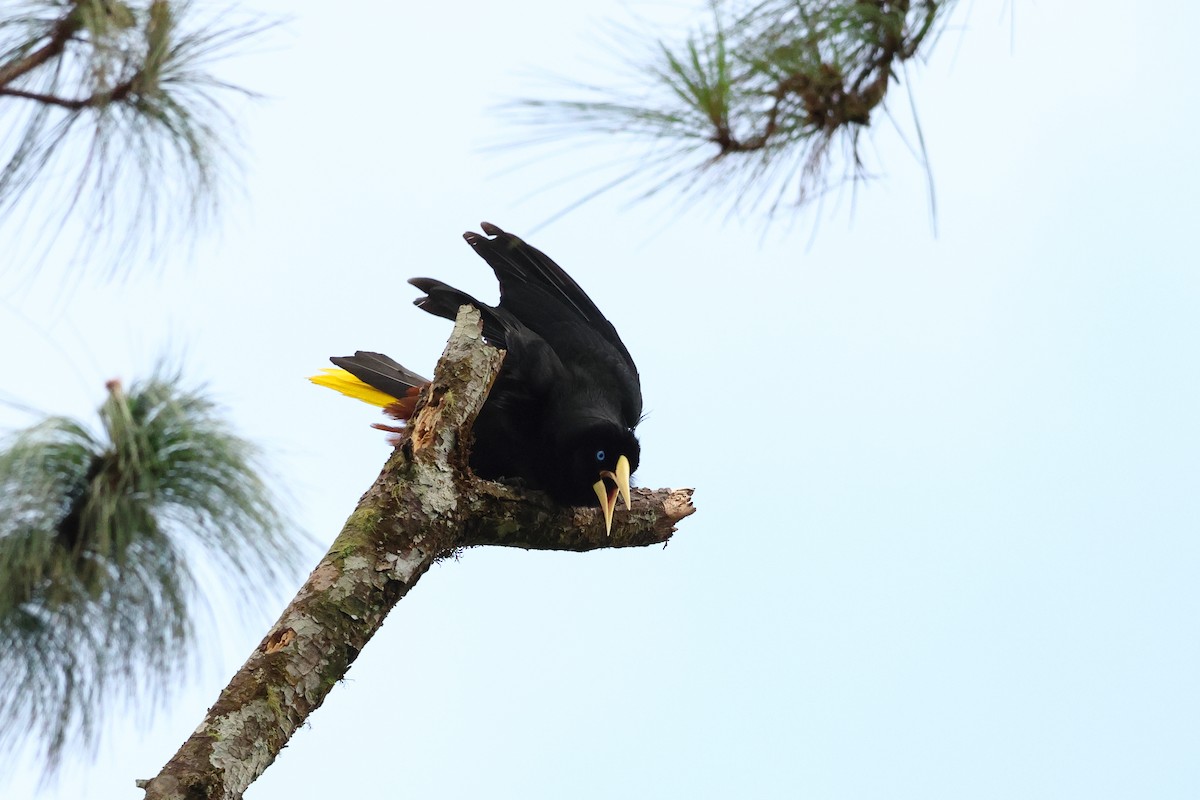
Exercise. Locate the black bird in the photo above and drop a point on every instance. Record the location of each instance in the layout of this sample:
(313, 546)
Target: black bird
(561, 413)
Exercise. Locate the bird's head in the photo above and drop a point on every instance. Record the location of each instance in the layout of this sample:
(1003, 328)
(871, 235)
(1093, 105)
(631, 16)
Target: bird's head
(599, 460)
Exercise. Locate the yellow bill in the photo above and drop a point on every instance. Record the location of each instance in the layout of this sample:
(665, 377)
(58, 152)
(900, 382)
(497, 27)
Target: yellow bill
(608, 497)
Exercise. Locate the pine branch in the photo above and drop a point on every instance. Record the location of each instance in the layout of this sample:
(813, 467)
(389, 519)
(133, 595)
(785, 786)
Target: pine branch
(117, 122)
(424, 506)
(760, 102)
(61, 33)
(99, 533)
(114, 95)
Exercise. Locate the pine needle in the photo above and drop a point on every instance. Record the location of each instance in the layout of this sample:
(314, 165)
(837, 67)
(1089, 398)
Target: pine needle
(97, 591)
(778, 91)
(116, 124)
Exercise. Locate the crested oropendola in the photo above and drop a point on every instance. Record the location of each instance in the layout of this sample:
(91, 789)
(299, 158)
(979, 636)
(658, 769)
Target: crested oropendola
(562, 411)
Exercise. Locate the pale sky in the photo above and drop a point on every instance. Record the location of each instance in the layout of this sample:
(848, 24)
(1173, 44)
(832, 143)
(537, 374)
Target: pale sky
(947, 542)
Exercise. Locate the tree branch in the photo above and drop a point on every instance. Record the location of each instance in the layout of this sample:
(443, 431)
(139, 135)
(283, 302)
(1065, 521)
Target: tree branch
(60, 34)
(116, 94)
(423, 506)
(827, 97)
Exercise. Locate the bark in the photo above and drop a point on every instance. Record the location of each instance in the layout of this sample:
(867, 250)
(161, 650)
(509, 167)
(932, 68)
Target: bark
(423, 506)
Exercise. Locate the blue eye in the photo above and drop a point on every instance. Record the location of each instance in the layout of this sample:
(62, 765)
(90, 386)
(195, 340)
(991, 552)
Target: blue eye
(599, 455)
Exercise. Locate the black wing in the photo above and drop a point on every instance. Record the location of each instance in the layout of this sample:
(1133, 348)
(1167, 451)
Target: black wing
(538, 291)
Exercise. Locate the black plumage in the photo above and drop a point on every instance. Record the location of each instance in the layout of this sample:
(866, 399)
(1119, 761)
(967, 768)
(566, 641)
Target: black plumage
(562, 412)
(382, 372)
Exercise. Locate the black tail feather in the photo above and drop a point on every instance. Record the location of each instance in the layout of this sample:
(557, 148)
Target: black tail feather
(381, 372)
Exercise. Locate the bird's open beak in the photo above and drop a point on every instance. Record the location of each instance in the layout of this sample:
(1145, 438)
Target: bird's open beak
(607, 496)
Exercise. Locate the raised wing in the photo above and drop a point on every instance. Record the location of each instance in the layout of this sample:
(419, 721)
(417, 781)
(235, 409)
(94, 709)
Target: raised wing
(538, 291)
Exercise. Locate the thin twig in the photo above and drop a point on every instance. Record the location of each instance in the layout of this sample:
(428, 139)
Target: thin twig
(114, 95)
(62, 32)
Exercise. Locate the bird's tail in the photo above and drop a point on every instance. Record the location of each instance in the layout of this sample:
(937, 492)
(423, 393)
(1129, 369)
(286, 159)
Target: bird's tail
(376, 379)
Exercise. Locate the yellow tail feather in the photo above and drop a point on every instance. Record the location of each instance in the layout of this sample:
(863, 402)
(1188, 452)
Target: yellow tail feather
(341, 381)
